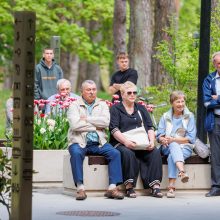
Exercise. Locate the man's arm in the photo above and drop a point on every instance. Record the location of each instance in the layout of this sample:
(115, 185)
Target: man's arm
(210, 100)
(77, 121)
(114, 88)
(36, 84)
(103, 119)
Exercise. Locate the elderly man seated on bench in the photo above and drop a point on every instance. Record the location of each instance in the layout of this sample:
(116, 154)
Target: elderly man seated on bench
(88, 118)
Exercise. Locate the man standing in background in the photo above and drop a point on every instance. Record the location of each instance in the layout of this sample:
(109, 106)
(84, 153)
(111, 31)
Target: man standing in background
(211, 98)
(122, 75)
(47, 73)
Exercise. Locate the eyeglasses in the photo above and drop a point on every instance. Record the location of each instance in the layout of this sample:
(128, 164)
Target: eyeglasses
(130, 92)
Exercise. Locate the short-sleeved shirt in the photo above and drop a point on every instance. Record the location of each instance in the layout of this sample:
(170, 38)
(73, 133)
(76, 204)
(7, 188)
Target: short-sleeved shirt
(124, 76)
(122, 121)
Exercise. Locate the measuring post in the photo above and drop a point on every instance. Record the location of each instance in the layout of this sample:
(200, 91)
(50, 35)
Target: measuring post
(23, 94)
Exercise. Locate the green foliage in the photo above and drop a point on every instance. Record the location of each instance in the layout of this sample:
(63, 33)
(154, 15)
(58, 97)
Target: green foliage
(4, 94)
(189, 15)
(5, 179)
(179, 57)
(215, 39)
(63, 18)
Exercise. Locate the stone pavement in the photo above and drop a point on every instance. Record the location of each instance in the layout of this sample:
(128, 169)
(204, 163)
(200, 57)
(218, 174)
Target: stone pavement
(51, 204)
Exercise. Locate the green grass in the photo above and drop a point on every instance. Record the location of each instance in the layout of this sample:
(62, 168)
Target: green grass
(4, 94)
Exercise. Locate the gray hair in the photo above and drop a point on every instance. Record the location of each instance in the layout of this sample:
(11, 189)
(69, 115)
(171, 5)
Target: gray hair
(176, 95)
(214, 55)
(88, 81)
(62, 81)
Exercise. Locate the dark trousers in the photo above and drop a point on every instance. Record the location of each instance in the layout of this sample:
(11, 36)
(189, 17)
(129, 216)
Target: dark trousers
(214, 139)
(149, 163)
(113, 157)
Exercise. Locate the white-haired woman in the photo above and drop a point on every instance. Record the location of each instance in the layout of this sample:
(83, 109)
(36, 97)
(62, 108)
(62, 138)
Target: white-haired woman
(125, 116)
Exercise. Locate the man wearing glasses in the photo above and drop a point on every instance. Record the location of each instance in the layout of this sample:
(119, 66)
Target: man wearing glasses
(62, 98)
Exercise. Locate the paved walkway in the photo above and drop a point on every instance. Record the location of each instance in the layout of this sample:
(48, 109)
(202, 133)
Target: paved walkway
(188, 205)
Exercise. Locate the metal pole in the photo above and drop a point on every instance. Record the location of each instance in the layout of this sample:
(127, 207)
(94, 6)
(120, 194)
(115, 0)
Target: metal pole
(204, 50)
(23, 93)
(55, 44)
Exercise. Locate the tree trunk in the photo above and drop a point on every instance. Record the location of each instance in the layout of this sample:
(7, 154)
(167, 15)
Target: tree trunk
(141, 39)
(164, 9)
(64, 63)
(119, 28)
(93, 69)
(82, 73)
(70, 67)
(214, 3)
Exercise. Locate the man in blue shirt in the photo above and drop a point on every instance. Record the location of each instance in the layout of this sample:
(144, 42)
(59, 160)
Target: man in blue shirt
(211, 98)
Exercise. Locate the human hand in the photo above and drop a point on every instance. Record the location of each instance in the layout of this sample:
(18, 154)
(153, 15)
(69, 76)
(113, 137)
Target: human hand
(130, 144)
(170, 139)
(151, 146)
(164, 141)
(215, 97)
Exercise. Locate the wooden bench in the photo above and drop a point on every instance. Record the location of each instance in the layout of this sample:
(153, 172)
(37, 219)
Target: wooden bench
(195, 159)
(96, 175)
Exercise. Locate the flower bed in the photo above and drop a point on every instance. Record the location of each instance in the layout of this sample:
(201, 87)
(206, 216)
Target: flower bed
(50, 130)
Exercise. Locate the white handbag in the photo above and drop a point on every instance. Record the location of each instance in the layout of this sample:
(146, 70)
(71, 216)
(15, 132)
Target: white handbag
(138, 136)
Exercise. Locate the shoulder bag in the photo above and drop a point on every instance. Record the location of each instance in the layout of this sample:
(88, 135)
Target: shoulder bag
(201, 149)
(138, 136)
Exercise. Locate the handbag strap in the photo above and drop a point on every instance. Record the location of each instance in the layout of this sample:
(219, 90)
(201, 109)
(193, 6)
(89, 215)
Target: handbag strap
(142, 124)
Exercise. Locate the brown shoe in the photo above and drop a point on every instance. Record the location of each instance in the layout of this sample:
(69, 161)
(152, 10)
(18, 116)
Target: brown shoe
(114, 194)
(81, 195)
(183, 176)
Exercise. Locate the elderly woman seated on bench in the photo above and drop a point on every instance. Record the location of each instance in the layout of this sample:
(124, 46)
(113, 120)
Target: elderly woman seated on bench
(126, 116)
(176, 134)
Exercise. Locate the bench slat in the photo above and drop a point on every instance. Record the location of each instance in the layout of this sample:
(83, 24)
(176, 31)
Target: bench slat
(195, 159)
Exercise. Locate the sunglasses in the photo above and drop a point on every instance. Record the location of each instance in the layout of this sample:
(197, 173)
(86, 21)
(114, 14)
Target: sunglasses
(130, 92)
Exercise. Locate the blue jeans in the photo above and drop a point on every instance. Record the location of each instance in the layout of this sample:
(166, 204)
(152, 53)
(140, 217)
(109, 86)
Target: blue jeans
(175, 154)
(112, 155)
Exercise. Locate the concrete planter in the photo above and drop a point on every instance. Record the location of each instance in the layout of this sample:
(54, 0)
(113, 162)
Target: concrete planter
(47, 166)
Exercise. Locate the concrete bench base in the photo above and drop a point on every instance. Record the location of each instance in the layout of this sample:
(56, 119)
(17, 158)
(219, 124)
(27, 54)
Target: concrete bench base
(96, 177)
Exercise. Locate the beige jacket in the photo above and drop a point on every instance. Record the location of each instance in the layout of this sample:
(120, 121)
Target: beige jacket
(78, 130)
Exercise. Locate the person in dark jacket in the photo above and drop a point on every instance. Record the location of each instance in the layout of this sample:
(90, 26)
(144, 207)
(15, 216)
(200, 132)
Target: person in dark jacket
(211, 99)
(125, 116)
(122, 75)
(47, 73)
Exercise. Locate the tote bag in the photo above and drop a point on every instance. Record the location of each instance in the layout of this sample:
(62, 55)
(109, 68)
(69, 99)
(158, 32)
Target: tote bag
(138, 136)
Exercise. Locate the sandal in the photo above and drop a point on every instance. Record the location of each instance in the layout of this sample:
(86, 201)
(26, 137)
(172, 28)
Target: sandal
(130, 193)
(156, 192)
(184, 177)
(171, 192)
(114, 194)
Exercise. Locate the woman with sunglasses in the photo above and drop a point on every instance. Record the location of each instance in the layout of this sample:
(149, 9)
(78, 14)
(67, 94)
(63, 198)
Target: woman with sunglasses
(126, 116)
(176, 134)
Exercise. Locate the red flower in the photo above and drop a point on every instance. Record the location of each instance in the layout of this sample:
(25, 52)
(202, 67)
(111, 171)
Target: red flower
(42, 115)
(150, 107)
(141, 103)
